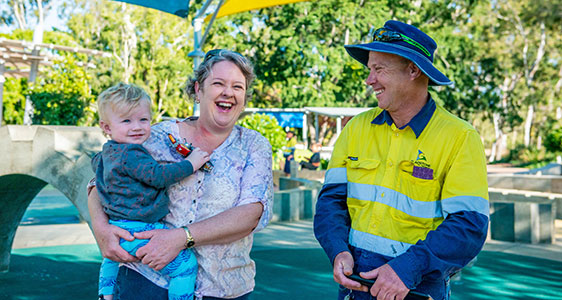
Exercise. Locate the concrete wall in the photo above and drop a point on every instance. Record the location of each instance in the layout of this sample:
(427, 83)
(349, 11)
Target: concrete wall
(296, 199)
(529, 182)
(34, 156)
(522, 216)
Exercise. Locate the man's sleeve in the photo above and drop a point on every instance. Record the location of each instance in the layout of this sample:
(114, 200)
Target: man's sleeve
(331, 221)
(138, 164)
(463, 232)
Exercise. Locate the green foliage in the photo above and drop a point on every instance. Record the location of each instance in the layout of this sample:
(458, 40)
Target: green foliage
(553, 141)
(490, 49)
(298, 51)
(324, 164)
(149, 49)
(529, 157)
(14, 100)
(62, 97)
(268, 127)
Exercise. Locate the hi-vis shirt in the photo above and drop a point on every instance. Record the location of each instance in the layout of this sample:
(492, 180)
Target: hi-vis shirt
(417, 195)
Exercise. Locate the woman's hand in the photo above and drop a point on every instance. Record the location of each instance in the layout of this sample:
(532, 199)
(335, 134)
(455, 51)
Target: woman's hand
(163, 247)
(108, 237)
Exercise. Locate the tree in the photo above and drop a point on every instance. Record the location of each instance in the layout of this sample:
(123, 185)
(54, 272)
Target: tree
(24, 13)
(520, 42)
(149, 49)
(299, 55)
(63, 96)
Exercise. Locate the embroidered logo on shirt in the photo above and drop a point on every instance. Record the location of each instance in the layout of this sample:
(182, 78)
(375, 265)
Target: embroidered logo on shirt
(422, 169)
(353, 158)
(421, 156)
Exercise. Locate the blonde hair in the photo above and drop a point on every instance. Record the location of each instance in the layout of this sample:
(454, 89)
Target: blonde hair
(121, 97)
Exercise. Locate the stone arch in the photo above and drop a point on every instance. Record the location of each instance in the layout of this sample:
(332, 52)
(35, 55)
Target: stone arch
(34, 156)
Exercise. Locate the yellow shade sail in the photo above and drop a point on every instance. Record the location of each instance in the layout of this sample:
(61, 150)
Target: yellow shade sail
(231, 7)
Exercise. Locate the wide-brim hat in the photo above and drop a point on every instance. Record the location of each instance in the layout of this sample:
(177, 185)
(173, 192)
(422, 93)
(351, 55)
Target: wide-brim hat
(408, 50)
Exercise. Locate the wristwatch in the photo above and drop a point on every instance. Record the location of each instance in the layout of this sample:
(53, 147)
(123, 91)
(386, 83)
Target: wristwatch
(189, 241)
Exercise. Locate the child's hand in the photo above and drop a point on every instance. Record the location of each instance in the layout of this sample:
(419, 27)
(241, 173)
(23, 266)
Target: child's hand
(197, 158)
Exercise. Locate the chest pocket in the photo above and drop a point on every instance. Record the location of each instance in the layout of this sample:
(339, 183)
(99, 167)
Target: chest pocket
(361, 171)
(361, 196)
(417, 188)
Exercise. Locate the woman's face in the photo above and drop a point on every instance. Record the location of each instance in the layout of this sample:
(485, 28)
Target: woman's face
(222, 95)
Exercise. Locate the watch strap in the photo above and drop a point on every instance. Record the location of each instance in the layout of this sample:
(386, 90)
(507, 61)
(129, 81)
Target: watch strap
(189, 241)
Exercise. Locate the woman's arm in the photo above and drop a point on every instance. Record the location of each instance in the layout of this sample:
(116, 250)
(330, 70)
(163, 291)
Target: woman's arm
(225, 227)
(107, 235)
(228, 226)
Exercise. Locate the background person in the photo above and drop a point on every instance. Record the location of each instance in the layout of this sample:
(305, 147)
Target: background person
(216, 213)
(405, 199)
(289, 151)
(313, 162)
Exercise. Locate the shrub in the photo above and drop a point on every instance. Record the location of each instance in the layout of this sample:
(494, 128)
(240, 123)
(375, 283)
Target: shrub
(62, 97)
(553, 141)
(268, 127)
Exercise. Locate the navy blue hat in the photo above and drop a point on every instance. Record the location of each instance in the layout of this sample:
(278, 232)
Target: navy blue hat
(403, 40)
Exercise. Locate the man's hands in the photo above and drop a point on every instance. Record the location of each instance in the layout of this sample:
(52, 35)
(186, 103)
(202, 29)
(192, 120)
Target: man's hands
(343, 265)
(388, 286)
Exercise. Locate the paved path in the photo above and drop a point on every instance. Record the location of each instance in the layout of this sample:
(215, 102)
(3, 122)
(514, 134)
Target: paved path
(295, 235)
(62, 261)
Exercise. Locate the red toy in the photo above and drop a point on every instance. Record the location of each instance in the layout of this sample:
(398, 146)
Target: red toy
(181, 148)
(185, 150)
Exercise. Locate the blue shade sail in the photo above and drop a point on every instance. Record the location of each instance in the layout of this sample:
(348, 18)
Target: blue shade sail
(178, 8)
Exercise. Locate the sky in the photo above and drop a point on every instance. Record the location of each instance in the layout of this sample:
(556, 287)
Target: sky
(52, 20)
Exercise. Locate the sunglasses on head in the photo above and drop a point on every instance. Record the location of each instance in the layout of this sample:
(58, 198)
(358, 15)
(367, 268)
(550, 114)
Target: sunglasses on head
(385, 35)
(218, 52)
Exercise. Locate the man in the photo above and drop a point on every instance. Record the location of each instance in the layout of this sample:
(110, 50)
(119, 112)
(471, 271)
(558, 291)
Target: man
(405, 199)
(289, 151)
(313, 162)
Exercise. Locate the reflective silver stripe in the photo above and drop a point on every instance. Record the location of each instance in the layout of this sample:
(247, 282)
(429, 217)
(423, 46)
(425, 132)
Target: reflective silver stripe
(336, 175)
(377, 244)
(468, 203)
(394, 199)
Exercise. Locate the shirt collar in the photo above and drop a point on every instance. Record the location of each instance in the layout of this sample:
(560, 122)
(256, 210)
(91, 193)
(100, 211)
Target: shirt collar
(417, 123)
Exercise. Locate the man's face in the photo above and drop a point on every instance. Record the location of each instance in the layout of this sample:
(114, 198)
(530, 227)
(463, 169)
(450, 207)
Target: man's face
(389, 78)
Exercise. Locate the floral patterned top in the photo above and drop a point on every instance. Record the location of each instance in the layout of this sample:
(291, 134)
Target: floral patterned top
(241, 175)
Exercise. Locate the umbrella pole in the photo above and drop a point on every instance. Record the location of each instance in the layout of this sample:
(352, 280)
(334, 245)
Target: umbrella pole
(199, 41)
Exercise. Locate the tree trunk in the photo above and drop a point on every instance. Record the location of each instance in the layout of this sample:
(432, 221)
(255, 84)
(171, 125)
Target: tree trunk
(129, 38)
(498, 138)
(539, 142)
(19, 14)
(37, 39)
(501, 146)
(528, 124)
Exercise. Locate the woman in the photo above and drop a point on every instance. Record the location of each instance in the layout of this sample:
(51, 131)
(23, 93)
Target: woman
(219, 210)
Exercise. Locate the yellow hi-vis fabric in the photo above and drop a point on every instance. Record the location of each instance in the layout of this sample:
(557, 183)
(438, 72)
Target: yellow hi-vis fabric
(231, 7)
(391, 206)
(302, 155)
